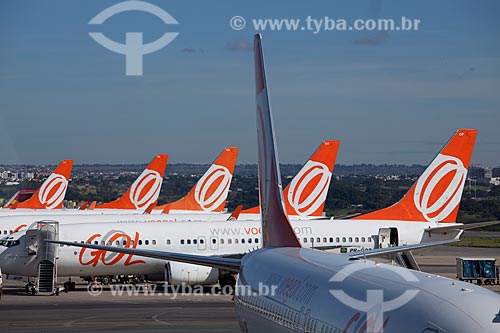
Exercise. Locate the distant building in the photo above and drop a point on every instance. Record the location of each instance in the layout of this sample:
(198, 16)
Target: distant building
(476, 172)
(495, 172)
(487, 173)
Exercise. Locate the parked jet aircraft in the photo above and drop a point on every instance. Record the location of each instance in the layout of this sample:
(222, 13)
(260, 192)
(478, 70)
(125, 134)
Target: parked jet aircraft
(49, 196)
(314, 291)
(209, 195)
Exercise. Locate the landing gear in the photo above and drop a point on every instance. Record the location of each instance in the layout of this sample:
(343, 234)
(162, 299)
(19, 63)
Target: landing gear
(69, 286)
(227, 284)
(30, 289)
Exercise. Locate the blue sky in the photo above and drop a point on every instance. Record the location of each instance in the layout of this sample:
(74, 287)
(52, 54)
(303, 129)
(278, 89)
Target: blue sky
(397, 100)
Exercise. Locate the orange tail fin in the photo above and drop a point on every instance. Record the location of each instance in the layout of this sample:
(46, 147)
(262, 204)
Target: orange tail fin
(305, 196)
(145, 189)
(436, 195)
(210, 192)
(92, 205)
(51, 194)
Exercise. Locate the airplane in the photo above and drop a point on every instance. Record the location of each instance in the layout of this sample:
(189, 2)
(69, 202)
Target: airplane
(143, 192)
(306, 194)
(50, 195)
(311, 189)
(314, 291)
(210, 193)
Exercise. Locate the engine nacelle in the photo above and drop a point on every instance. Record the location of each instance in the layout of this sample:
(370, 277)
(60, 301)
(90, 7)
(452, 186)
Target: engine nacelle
(179, 273)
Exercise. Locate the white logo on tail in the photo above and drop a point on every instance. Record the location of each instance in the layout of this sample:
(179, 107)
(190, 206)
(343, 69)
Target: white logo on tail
(52, 191)
(308, 205)
(145, 189)
(442, 166)
(209, 201)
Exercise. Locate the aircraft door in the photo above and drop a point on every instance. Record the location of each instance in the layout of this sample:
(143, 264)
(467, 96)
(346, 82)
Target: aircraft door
(384, 237)
(388, 237)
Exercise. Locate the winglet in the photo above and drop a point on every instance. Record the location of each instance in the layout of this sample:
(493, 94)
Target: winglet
(276, 229)
(210, 192)
(92, 205)
(145, 189)
(84, 205)
(234, 216)
(436, 195)
(51, 194)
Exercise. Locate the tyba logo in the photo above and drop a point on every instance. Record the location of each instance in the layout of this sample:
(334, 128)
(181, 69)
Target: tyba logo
(51, 193)
(134, 48)
(211, 190)
(145, 189)
(439, 190)
(309, 188)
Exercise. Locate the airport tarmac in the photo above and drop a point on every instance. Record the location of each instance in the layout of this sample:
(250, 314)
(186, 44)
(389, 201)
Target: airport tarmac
(79, 311)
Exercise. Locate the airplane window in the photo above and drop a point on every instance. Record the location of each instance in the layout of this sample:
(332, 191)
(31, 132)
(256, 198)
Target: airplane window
(96, 242)
(140, 241)
(202, 241)
(344, 239)
(168, 241)
(350, 239)
(312, 240)
(102, 242)
(117, 242)
(369, 239)
(214, 241)
(5, 232)
(356, 239)
(124, 242)
(229, 241)
(363, 239)
(153, 241)
(337, 239)
(236, 241)
(249, 240)
(108, 243)
(146, 242)
(132, 242)
(189, 241)
(318, 239)
(12, 231)
(222, 241)
(182, 241)
(305, 239)
(324, 239)
(243, 241)
(195, 241)
(256, 240)
(331, 239)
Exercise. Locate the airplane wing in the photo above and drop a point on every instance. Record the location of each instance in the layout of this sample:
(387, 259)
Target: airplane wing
(454, 226)
(395, 249)
(228, 264)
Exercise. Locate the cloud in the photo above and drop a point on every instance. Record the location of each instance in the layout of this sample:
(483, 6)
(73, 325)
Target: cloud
(376, 39)
(239, 45)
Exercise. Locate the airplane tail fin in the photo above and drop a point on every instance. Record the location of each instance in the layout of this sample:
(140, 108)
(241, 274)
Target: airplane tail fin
(276, 228)
(436, 195)
(51, 194)
(306, 194)
(145, 189)
(210, 192)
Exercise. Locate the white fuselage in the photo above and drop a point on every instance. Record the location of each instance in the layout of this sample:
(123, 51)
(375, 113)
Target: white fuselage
(204, 238)
(316, 291)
